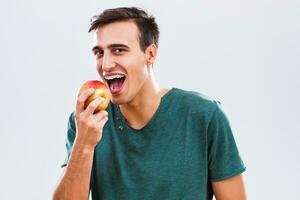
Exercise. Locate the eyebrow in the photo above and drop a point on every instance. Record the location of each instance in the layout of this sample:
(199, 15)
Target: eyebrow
(110, 46)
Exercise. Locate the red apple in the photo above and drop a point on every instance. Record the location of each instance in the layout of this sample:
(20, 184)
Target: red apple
(101, 90)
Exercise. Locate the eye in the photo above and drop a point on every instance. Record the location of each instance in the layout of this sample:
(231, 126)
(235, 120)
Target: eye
(118, 50)
(98, 53)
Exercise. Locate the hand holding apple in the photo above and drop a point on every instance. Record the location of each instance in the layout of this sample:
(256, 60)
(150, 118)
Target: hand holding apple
(90, 114)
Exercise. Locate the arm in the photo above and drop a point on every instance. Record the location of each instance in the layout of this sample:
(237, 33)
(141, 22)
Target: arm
(75, 181)
(230, 189)
(224, 159)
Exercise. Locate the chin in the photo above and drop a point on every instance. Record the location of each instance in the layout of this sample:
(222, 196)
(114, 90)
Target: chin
(119, 101)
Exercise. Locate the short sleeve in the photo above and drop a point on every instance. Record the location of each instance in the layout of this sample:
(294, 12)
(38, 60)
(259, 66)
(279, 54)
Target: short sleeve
(224, 160)
(71, 130)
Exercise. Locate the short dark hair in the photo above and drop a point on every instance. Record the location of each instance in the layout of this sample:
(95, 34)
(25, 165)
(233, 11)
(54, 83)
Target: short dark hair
(148, 28)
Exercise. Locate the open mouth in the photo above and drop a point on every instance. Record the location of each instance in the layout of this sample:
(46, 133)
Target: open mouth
(115, 82)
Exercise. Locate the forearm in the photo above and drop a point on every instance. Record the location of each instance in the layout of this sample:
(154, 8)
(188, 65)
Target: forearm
(75, 182)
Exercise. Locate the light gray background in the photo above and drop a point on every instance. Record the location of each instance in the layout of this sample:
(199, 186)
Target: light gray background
(243, 53)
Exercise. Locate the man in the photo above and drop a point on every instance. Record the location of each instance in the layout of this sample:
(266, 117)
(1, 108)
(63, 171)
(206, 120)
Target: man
(151, 142)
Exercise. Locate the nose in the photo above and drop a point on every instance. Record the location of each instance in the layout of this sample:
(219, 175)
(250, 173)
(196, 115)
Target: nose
(107, 62)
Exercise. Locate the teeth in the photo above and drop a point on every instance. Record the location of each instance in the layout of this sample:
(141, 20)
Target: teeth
(113, 76)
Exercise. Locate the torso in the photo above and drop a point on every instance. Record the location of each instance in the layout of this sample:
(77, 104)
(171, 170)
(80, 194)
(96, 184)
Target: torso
(162, 160)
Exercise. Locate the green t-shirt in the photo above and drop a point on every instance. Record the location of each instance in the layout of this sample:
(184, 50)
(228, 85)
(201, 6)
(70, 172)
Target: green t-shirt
(187, 144)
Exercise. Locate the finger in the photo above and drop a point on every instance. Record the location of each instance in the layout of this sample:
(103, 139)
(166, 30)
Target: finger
(82, 98)
(100, 115)
(102, 122)
(90, 109)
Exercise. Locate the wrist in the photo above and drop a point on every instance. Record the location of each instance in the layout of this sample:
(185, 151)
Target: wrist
(81, 146)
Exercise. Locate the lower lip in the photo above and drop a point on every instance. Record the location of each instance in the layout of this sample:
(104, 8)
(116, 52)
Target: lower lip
(117, 92)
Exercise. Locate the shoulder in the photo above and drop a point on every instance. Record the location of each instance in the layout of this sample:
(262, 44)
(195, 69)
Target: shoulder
(71, 121)
(196, 102)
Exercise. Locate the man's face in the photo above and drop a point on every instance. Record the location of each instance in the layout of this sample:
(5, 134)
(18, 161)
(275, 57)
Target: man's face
(120, 61)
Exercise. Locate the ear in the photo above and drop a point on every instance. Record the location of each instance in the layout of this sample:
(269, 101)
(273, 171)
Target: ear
(151, 52)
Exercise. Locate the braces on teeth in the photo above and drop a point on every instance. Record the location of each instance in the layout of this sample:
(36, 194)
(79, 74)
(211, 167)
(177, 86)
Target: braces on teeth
(113, 77)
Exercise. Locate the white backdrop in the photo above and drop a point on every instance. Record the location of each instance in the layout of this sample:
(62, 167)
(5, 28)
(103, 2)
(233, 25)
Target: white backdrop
(243, 53)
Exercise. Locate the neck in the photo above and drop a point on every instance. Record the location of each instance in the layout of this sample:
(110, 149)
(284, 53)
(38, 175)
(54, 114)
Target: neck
(141, 109)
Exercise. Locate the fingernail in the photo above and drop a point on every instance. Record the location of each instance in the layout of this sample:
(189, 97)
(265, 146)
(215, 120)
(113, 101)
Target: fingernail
(99, 100)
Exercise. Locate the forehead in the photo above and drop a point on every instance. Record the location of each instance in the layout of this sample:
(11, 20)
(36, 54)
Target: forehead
(117, 33)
